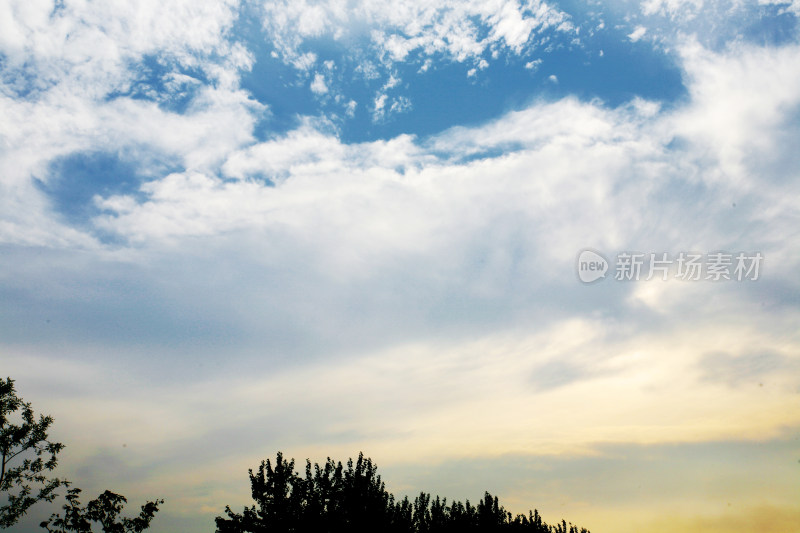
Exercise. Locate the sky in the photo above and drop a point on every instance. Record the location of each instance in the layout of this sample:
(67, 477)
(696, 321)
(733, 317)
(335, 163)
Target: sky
(232, 228)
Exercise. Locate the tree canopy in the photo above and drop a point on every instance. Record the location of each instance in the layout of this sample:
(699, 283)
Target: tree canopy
(333, 498)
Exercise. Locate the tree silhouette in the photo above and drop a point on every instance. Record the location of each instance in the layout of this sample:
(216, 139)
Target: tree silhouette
(329, 498)
(27, 456)
(332, 498)
(103, 510)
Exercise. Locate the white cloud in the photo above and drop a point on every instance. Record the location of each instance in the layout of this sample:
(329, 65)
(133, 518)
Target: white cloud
(401, 104)
(318, 86)
(396, 29)
(740, 101)
(305, 61)
(637, 33)
(510, 25)
(541, 137)
(85, 47)
(533, 65)
(392, 82)
(380, 104)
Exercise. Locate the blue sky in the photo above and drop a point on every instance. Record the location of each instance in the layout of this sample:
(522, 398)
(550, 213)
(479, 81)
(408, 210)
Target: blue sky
(229, 228)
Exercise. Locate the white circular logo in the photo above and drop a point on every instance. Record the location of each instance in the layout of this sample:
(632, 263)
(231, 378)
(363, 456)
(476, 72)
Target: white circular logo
(591, 266)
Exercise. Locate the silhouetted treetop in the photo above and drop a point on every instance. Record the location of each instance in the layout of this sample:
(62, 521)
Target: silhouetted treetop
(334, 498)
(103, 510)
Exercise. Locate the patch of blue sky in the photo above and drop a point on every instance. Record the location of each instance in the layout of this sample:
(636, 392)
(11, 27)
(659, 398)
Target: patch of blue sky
(445, 96)
(73, 181)
(773, 27)
(283, 88)
(171, 85)
(433, 93)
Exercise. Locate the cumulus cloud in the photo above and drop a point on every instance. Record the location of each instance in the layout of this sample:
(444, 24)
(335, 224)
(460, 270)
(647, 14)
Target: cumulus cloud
(637, 34)
(573, 174)
(533, 65)
(318, 86)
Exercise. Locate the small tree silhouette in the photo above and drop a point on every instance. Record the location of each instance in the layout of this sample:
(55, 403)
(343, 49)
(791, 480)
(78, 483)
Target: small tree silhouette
(26, 456)
(103, 510)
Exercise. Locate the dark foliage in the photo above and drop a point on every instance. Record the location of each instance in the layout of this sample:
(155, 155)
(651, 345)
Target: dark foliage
(103, 510)
(26, 456)
(332, 498)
